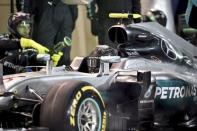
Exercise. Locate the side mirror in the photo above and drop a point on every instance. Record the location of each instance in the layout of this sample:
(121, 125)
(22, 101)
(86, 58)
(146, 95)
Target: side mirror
(43, 57)
(76, 2)
(110, 59)
(104, 64)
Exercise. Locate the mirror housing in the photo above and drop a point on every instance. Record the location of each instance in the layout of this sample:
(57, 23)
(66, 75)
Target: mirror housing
(104, 64)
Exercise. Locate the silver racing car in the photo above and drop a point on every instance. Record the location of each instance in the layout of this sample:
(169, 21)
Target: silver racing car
(149, 81)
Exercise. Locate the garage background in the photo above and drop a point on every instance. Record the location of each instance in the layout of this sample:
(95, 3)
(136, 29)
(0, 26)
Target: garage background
(83, 41)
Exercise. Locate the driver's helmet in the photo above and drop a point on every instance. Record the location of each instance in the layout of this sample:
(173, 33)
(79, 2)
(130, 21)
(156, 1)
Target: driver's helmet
(93, 60)
(20, 25)
(156, 16)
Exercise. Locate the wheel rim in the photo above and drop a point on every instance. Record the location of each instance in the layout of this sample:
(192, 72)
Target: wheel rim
(89, 116)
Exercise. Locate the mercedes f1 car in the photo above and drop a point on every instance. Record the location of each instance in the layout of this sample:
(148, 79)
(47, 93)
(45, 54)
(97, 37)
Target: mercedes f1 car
(149, 80)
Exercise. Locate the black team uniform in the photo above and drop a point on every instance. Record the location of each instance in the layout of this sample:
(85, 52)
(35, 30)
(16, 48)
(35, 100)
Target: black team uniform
(53, 20)
(9, 45)
(101, 21)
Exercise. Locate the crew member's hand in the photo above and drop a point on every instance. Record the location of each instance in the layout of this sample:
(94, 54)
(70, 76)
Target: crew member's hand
(29, 43)
(56, 58)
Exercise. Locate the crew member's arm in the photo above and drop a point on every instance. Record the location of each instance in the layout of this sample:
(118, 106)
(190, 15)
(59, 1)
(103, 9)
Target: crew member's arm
(7, 44)
(136, 9)
(29, 43)
(13, 44)
(92, 14)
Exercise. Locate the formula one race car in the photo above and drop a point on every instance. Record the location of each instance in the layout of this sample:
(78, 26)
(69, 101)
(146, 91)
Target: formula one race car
(149, 80)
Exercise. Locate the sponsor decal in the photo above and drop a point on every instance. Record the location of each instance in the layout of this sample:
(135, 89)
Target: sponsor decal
(146, 101)
(104, 121)
(93, 89)
(73, 108)
(9, 65)
(175, 92)
(75, 102)
(8, 79)
(149, 92)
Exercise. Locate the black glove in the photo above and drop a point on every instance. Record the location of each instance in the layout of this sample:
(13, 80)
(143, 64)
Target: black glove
(91, 10)
(92, 15)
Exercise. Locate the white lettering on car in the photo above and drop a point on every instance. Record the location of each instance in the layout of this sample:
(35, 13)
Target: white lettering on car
(182, 93)
(164, 93)
(157, 92)
(175, 92)
(171, 90)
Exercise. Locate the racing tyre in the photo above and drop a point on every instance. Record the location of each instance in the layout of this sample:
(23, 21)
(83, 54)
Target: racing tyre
(73, 106)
